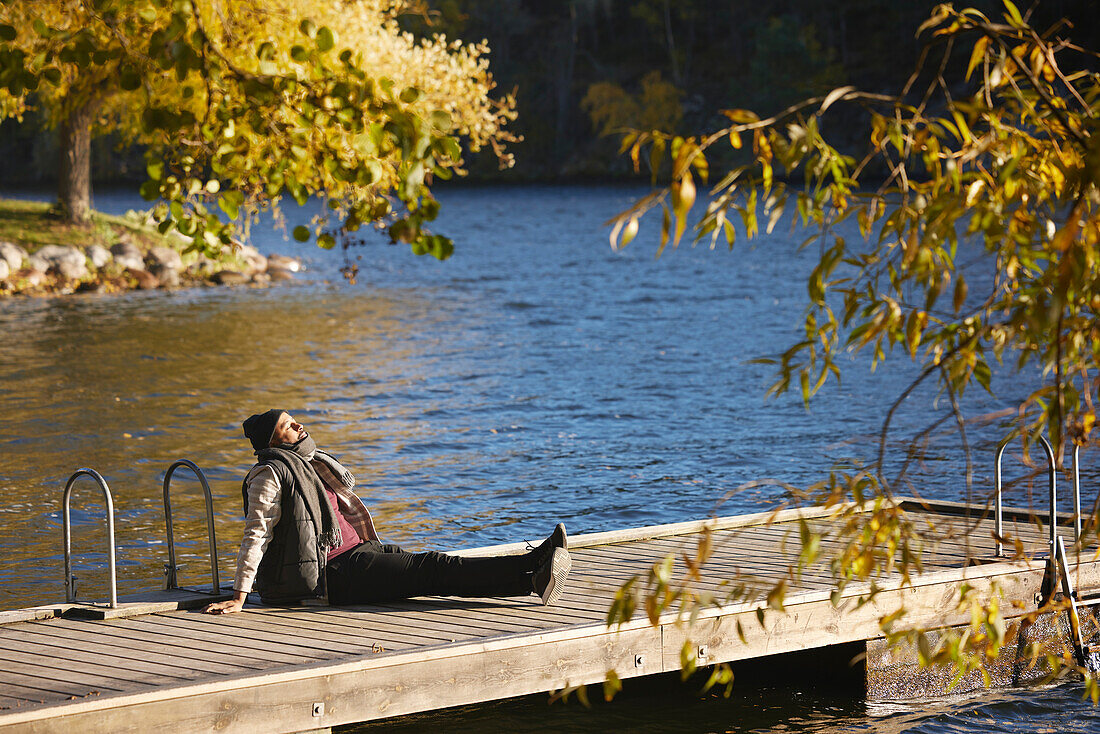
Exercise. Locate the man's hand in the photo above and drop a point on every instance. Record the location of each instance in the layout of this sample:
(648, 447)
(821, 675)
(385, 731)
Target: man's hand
(228, 606)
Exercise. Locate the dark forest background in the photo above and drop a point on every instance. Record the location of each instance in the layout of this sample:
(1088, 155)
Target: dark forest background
(583, 69)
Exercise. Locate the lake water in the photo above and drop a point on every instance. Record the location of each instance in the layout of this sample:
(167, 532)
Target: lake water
(536, 376)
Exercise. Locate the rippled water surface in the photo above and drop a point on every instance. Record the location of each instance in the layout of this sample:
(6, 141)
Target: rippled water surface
(536, 376)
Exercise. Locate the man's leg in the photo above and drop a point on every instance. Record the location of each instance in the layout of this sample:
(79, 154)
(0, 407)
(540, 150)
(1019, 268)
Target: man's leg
(373, 572)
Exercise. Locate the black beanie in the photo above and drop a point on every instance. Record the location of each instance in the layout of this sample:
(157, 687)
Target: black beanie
(258, 428)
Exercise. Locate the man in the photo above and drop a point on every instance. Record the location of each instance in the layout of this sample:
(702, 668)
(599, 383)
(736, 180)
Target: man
(307, 535)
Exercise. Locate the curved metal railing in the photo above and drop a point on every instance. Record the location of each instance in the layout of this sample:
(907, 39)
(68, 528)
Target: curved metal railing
(1076, 493)
(997, 523)
(66, 530)
(172, 581)
(1052, 476)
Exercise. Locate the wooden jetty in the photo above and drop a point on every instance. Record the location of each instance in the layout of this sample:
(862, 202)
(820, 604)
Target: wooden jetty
(282, 669)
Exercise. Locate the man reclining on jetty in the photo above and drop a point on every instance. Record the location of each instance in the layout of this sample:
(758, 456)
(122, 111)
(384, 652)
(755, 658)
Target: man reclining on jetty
(307, 535)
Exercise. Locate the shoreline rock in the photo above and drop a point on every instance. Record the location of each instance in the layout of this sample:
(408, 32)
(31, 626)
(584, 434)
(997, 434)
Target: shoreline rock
(63, 269)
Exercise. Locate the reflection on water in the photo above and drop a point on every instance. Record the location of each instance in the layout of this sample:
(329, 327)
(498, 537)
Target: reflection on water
(537, 376)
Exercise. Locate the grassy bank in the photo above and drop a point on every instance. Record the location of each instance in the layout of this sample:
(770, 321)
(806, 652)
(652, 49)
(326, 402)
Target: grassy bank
(31, 224)
(145, 259)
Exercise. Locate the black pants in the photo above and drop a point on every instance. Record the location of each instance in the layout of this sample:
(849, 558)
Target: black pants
(373, 572)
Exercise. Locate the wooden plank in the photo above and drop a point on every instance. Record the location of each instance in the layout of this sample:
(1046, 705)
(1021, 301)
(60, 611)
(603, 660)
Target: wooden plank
(198, 638)
(66, 668)
(93, 643)
(232, 626)
(129, 635)
(321, 616)
(500, 606)
(53, 675)
(422, 622)
(147, 603)
(51, 686)
(315, 634)
(67, 657)
(747, 566)
(480, 625)
(656, 531)
(365, 690)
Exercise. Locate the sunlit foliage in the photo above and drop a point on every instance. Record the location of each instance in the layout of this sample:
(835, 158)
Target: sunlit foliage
(613, 109)
(241, 103)
(1003, 157)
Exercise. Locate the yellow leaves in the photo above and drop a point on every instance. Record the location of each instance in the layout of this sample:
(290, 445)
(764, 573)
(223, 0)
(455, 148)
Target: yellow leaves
(1013, 15)
(973, 190)
(655, 107)
(960, 293)
(776, 595)
(976, 56)
(910, 247)
(914, 330)
(683, 197)
(629, 229)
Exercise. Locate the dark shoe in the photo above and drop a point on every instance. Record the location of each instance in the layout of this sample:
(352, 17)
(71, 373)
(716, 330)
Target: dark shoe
(557, 539)
(549, 578)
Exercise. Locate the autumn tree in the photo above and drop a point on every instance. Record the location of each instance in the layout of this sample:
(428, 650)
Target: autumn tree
(240, 103)
(1002, 155)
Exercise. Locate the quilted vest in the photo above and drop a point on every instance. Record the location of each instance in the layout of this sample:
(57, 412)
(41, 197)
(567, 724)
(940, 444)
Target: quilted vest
(293, 565)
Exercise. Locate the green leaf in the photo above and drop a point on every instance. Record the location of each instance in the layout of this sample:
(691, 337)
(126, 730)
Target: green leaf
(1013, 13)
(441, 120)
(308, 28)
(301, 233)
(230, 202)
(409, 95)
(128, 78)
(7, 33)
(150, 190)
(326, 241)
(325, 39)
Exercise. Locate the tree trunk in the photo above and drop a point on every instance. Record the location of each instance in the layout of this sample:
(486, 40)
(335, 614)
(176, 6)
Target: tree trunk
(74, 180)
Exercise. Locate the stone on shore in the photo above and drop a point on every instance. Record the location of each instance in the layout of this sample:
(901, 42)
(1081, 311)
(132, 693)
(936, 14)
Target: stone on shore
(13, 255)
(256, 262)
(98, 254)
(5, 271)
(67, 260)
(28, 277)
(277, 274)
(285, 262)
(230, 277)
(261, 278)
(163, 257)
(169, 277)
(146, 281)
(37, 264)
(128, 256)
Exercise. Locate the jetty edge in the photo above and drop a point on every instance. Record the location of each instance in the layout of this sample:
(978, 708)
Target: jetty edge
(293, 669)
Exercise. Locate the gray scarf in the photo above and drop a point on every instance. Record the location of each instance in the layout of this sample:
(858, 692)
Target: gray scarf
(296, 458)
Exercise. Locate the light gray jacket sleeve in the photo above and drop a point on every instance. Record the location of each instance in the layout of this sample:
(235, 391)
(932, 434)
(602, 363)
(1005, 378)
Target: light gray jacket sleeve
(264, 510)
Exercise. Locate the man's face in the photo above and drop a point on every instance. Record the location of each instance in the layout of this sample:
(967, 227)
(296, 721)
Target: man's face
(287, 431)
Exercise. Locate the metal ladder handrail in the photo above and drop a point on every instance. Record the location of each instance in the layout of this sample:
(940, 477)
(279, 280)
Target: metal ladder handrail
(172, 582)
(66, 531)
(1076, 493)
(1052, 475)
